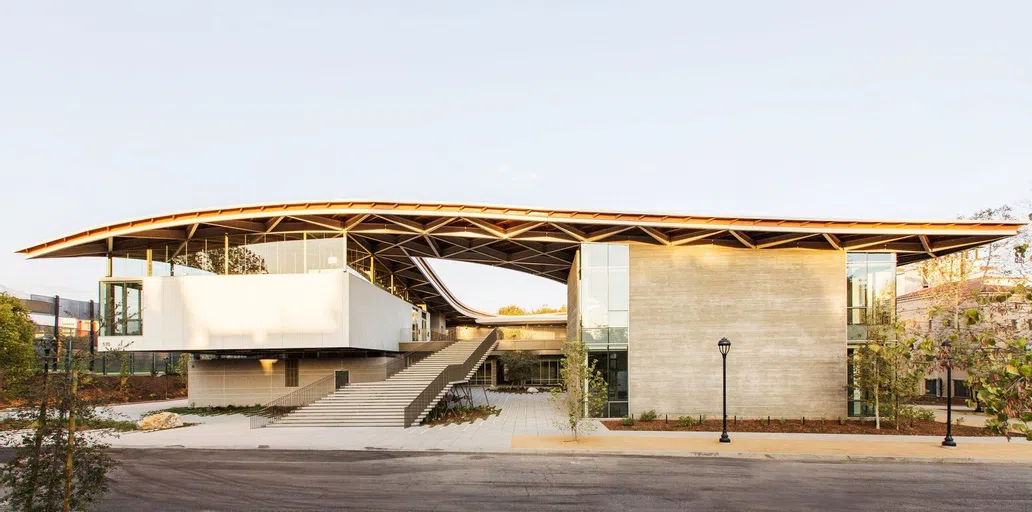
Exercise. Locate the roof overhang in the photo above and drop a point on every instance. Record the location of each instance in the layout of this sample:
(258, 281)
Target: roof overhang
(538, 241)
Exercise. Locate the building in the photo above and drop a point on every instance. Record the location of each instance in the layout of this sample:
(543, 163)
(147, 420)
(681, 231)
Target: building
(927, 311)
(286, 294)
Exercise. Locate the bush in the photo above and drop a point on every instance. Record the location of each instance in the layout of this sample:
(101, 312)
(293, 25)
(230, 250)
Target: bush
(649, 415)
(686, 421)
(628, 422)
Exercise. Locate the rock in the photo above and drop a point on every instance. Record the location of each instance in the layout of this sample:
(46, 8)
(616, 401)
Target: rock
(532, 390)
(160, 421)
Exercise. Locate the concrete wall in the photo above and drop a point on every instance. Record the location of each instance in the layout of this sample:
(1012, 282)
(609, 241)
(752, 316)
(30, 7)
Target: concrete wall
(222, 382)
(783, 310)
(266, 311)
(573, 300)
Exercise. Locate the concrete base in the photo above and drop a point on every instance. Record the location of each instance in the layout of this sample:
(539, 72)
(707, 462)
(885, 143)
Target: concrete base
(243, 382)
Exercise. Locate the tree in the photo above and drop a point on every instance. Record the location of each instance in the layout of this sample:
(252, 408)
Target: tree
(17, 352)
(511, 310)
(57, 466)
(543, 310)
(584, 389)
(520, 365)
(241, 261)
(887, 370)
(979, 300)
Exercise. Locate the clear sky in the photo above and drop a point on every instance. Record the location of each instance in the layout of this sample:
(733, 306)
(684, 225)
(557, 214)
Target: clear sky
(884, 109)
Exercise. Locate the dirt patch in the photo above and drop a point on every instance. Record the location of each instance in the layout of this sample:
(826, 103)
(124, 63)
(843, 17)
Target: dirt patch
(107, 389)
(918, 428)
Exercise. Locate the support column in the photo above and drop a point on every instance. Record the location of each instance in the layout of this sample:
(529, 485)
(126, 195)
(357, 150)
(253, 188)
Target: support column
(150, 262)
(225, 255)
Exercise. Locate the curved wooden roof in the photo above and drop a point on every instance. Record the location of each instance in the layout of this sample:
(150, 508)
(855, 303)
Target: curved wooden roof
(534, 240)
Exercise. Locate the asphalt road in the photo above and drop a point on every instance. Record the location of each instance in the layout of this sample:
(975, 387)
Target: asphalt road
(178, 479)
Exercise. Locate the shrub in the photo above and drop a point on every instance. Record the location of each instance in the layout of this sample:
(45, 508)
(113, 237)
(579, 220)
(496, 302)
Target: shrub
(628, 422)
(686, 421)
(648, 415)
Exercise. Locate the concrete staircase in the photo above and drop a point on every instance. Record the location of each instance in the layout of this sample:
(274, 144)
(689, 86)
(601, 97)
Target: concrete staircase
(383, 403)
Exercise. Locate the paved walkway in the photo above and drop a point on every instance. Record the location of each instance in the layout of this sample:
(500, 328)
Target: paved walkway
(527, 423)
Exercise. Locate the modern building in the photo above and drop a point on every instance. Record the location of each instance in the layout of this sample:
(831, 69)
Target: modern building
(286, 294)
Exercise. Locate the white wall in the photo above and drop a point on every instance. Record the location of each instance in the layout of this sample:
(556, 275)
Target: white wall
(377, 318)
(266, 311)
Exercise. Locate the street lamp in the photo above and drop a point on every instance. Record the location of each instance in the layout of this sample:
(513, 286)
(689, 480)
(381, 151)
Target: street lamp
(946, 350)
(725, 346)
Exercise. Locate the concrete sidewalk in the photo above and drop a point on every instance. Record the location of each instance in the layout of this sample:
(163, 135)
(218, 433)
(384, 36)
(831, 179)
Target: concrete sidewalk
(527, 424)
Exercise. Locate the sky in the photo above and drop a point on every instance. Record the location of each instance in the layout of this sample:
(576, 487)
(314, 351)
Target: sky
(116, 110)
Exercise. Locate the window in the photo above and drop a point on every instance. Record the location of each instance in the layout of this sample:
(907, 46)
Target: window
(961, 389)
(931, 387)
(870, 293)
(291, 374)
(121, 308)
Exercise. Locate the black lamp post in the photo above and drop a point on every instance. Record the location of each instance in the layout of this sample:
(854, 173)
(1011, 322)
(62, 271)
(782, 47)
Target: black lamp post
(725, 346)
(946, 350)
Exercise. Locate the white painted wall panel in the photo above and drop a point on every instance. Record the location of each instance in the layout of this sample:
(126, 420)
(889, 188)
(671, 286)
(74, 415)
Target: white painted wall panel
(377, 318)
(241, 312)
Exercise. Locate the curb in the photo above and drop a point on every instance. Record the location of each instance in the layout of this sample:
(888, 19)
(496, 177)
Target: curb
(785, 457)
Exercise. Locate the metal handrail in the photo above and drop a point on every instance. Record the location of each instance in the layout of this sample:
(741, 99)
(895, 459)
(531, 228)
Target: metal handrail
(298, 398)
(452, 373)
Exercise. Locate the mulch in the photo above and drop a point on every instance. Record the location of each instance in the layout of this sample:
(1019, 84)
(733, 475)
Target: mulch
(796, 426)
(104, 389)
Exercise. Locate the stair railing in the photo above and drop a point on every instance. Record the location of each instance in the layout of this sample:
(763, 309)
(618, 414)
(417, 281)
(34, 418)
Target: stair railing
(299, 398)
(452, 373)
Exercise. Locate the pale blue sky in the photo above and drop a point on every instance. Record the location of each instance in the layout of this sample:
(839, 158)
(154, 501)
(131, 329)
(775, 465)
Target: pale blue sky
(113, 110)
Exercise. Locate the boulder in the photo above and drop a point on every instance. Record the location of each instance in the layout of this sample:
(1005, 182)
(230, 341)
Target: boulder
(532, 390)
(160, 421)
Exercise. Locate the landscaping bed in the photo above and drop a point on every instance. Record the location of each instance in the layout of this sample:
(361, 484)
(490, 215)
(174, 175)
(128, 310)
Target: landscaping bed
(248, 410)
(11, 423)
(796, 426)
(107, 389)
(463, 415)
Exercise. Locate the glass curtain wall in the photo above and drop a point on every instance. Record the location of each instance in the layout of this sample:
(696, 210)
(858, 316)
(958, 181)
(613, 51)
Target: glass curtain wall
(604, 307)
(870, 308)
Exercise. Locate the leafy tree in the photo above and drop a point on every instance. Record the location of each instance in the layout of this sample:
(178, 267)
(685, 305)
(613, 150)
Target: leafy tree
(57, 466)
(584, 389)
(511, 310)
(973, 307)
(17, 352)
(520, 365)
(887, 370)
(241, 261)
(545, 310)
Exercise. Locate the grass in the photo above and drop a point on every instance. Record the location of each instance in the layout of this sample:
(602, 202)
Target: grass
(246, 410)
(8, 424)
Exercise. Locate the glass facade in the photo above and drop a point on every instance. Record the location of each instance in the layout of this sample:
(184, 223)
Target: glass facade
(604, 307)
(604, 301)
(870, 306)
(121, 304)
(870, 293)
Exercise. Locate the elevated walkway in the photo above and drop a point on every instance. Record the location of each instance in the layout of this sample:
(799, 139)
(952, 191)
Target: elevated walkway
(403, 400)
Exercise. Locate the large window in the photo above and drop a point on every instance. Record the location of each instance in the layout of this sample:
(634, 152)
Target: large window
(121, 308)
(870, 293)
(604, 302)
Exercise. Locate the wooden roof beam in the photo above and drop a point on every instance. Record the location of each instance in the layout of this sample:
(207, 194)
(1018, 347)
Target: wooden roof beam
(660, 237)
(745, 239)
(694, 236)
(853, 245)
(833, 241)
(774, 241)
